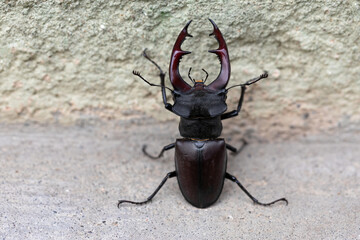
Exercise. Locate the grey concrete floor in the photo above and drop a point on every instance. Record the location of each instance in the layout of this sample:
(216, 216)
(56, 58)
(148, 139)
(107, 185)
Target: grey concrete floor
(64, 183)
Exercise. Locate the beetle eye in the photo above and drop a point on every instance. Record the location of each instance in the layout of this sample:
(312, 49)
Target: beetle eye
(223, 94)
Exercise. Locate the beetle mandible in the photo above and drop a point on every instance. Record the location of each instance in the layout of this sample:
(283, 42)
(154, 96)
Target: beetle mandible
(200, 156)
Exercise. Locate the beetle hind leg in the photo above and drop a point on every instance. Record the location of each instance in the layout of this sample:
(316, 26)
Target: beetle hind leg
(169, 175)
(234, 179)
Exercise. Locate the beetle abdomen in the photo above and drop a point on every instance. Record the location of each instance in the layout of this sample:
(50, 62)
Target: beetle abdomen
(200, 167)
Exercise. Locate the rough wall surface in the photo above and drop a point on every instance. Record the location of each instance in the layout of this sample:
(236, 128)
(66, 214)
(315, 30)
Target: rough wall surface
(61, 61)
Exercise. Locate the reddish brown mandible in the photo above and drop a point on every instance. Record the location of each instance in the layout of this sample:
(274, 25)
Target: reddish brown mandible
(222, 52)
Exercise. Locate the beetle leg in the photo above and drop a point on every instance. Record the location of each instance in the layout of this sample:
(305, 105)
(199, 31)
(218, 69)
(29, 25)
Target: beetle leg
(169, 175)
(136, 73)
(234, 179)
(167, 147)
(168, 106)
(254, 80)
(234, 113)
(234, 150)
(251, 81)
(152, 61)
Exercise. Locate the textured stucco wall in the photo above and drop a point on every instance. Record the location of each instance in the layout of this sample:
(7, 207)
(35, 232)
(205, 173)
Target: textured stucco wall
(61, 61)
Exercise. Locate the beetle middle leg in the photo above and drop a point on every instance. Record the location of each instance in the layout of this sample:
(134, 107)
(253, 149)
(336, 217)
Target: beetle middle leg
(234, 150)
(169, 175)
(165, 148)
(234, 179)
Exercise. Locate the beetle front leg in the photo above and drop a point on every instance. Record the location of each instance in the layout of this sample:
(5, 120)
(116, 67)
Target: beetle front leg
(234, 113)
(168, 106)
(167, 147)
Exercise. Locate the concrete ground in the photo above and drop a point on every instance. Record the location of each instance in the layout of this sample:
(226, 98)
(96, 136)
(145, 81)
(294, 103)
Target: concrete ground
(64, 182)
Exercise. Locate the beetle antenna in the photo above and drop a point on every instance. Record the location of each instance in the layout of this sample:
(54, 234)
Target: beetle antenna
(206, 74)
(136, 73)
(252, 81)
(190, 76)
(169, 175)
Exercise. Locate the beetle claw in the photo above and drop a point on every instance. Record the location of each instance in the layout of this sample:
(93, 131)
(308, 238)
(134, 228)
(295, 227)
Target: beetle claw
(223, 55)
(176, 55)
(264, 75)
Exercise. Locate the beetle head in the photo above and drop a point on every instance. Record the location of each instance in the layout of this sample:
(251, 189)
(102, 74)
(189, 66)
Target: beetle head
(199, 100)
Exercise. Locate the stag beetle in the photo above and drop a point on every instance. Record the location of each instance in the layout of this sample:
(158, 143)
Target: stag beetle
(200, 156)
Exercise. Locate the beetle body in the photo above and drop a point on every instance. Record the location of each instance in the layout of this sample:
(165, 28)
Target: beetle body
(200, 156)
(209, 128)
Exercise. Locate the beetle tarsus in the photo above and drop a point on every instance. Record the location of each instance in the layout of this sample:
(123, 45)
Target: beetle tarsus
(234, 179)
(251, 81)
(254, 80)
(136, 73)
(264, 75)
(168, 175)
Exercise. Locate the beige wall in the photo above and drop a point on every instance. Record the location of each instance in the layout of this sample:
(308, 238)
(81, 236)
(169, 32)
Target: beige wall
(61, 61)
